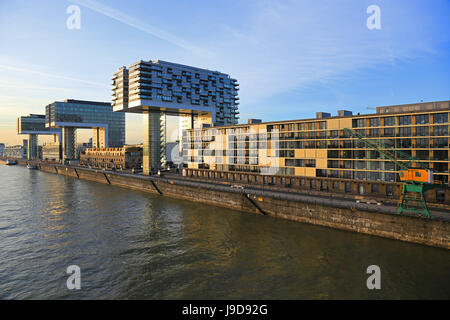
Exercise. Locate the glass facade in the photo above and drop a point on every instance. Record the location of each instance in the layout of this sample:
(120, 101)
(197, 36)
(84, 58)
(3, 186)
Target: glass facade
(165, 85)
(87, 114)
(34, 123)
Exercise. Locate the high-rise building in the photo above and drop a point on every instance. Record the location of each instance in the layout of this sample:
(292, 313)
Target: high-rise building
(176, 88)
(108, 127)
(159, 88)
(34, 125)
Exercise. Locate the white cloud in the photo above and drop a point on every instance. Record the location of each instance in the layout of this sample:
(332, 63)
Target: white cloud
(298, 43)
(141, 25)
(276, 47)
(50, 75)
(29, 86)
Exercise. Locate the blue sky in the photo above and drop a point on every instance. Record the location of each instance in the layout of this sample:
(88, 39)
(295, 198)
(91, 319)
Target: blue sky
(291, 58)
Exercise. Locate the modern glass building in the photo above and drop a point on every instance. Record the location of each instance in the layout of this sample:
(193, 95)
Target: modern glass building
(108, 126)
(157, 88)
(176, 88)
(34, 125)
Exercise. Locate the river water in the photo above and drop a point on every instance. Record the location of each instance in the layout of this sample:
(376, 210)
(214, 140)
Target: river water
(133, 245)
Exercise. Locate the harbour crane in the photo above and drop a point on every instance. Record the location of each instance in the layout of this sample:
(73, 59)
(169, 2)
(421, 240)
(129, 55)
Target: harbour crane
(416, 181)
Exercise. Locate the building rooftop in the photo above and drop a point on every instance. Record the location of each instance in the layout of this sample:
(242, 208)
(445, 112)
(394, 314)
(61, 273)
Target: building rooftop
(384, 111)
(86, 102)
(179, 65)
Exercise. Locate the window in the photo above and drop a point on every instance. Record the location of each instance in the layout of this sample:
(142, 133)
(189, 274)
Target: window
(440, 118)
(422, 119)
(422, 131)
(440, 155)
(374, 188)
(389, 191)
(440, 130)
(359, 123)
(405, 132)
(404, 143)
(334, 134)
(418, 174)
(348, 187)
(440, 143)
(422, 154)
(404, 120)
(422, 143)
(389, 121)
(389, 132)
(374, 122)
(440, 196)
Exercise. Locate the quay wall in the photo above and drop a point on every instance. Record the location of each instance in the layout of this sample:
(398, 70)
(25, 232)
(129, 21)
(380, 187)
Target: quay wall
(386, 192)
(348, 216)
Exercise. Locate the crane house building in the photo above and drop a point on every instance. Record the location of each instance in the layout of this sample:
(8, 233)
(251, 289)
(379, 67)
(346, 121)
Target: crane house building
(324, 148)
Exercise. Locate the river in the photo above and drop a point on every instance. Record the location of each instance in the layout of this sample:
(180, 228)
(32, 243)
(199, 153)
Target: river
(133, 245)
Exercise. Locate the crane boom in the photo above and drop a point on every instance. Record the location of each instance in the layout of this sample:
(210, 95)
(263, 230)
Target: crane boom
(376, 146)
(416, 181)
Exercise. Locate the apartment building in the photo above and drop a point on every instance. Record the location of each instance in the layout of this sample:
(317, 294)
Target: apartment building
(320, 147)
(51, 151)
(127, 157)
(15, 152)
(160, 88)
(108, 127)
(177, 88)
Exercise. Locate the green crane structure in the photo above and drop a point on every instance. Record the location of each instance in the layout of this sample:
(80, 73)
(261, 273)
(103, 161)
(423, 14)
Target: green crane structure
(414, 187)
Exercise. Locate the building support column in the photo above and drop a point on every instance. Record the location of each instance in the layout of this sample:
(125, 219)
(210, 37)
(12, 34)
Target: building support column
(69, 143)
(32, 146)
(99, 137)
(163, 140)
(151, 160)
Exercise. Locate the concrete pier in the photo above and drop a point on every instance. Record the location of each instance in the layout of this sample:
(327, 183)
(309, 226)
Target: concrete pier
(69, 135)
(32, 146)
(154, 140)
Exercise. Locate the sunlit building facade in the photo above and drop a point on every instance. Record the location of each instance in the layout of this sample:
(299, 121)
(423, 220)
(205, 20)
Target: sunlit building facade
(127, 157)
(321, 148)
(33, 125)
(160, 88)
(108, 127)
